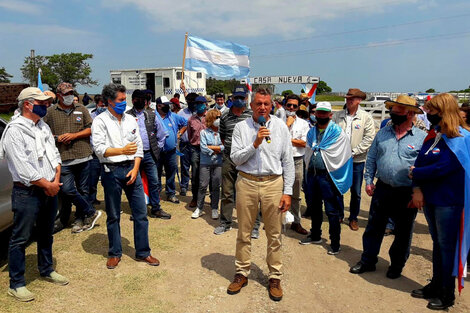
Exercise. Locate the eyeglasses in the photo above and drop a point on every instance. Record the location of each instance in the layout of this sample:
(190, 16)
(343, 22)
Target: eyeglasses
(295, 106)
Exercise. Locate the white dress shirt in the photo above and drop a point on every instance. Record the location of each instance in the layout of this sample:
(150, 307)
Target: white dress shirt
(30, 151)
(108, 132)
(273, 158)
(298, 130)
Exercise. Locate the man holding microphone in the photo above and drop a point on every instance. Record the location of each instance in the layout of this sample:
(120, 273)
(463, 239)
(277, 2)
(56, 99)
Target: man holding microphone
(266, 175)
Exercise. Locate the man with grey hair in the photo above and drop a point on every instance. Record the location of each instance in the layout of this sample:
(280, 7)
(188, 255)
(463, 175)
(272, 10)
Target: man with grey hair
(117, 143)
(34, 163)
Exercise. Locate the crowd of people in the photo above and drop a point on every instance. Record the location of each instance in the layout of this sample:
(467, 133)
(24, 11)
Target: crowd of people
(256, 157)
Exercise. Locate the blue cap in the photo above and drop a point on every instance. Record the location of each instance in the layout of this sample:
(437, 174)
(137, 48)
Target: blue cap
(200, 99)
(239, 91)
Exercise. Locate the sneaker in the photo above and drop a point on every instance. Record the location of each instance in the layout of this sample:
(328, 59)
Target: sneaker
(215, 214)
(77, 226)
(332, 251)
(57, 279)
(309, 240)
(183, 192)
(196, 213)
(91, 220)
(219, 230)
(173, 199)
(58, 226)
(255, 233)
(21, 294)
(160, 214)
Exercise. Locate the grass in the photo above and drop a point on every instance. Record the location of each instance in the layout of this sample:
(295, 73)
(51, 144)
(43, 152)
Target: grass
(328, 98)
(6, 116)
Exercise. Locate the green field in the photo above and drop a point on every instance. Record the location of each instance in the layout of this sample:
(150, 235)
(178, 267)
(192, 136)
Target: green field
(319, 98)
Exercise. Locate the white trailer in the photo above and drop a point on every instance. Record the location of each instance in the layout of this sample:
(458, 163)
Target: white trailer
(163, 81)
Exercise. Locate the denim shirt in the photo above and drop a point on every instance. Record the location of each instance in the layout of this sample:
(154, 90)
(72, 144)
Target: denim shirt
(210, 138)
(389, 159)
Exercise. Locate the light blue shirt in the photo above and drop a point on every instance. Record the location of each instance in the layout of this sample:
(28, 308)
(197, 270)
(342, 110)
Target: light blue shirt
(210, 138)
(140, 116)
(389, 159)
(186, 113)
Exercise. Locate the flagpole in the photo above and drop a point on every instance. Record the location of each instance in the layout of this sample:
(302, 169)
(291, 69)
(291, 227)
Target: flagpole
(184, 55)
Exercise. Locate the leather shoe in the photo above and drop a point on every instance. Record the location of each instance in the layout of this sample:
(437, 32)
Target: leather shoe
(150, 260)
(441, 303)
(193, 204)
(427, 292)
(298, 229)
(360, 268)
(160, 214)
(275, 290)
(353, 225)
(113, 262)
(239, 281)
(393, 273)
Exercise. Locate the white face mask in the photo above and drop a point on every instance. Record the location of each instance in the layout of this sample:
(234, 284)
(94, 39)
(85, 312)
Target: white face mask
(290, 113)
(68, 100)
(216, 123)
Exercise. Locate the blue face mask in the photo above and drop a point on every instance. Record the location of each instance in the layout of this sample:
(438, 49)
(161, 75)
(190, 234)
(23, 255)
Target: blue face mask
(201, 107)
(40, 110)
(120, 107)
(238, 103)
(313, 118)
(100, 110)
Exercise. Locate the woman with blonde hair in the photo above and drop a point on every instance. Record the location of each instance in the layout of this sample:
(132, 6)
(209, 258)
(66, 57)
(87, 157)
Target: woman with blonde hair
(210, 164)
(441, 180)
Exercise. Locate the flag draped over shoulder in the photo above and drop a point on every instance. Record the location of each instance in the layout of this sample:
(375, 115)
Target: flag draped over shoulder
(335, 150)
(460, 146)
(217, 58)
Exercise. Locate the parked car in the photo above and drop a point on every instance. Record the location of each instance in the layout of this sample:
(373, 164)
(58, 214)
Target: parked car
(6, 185)
(375, 101)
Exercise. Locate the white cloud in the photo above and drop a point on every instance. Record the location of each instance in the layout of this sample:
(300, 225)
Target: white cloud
(41, 30)
(247, 18)
(27, 7)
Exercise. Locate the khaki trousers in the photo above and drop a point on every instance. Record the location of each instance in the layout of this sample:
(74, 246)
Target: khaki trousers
(252, 195)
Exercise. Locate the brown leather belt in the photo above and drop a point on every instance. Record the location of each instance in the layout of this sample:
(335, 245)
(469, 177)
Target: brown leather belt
(23, 186)
(258, 178)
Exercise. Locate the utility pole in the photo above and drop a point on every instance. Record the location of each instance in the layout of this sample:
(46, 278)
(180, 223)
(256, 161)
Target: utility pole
(33, 69)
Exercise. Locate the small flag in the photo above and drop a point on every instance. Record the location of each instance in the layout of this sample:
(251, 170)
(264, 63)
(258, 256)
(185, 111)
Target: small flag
(40, 81)
(248, 85)
(311, 93)
(217, 58)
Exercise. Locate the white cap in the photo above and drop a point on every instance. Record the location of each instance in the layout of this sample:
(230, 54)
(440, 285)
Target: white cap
(32, 92)
(323, 106)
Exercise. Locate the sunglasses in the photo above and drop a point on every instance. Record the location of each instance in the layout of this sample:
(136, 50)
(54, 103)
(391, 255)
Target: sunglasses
(295, 106)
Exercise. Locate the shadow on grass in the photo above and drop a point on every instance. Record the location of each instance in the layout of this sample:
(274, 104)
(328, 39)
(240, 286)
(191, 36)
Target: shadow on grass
(224, 265)
(98, 244)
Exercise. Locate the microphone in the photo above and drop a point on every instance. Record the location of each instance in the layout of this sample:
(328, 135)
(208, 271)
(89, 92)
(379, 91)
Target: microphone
(262, 122)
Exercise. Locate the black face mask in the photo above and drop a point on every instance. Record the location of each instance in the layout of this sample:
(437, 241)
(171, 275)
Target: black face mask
(322, 120)
(397, 120)
(139, 104)
(192, 106)
(434, 119)
(165, 109)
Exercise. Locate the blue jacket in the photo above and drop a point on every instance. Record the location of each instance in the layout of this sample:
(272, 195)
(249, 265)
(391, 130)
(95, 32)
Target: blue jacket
(210, 138)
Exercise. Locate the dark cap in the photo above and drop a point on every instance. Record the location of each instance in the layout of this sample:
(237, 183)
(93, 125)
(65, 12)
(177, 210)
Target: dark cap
(138, 94)
(162, 100)
(239, 91)
(191, 97)
(200, 99)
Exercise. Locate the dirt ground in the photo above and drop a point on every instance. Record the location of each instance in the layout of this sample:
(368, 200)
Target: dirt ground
(197, 266)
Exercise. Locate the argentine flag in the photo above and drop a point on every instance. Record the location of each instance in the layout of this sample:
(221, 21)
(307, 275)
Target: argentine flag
(335, 151)
(217, 58)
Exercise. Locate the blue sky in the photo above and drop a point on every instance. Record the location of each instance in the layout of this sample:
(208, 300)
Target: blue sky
(395, 45)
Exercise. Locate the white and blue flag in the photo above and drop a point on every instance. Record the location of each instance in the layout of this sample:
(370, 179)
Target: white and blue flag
(217, 58)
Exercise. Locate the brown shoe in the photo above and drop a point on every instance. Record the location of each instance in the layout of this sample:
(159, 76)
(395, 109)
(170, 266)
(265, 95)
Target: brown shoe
(239, 281)
(353, 225)
(298, 228)
(193, 204)
(150, 260)
(275, 290)
(112, 262)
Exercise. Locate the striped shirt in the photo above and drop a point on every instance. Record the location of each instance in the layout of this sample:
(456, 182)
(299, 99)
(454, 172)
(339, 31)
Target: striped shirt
(227, 124)
(30, 151)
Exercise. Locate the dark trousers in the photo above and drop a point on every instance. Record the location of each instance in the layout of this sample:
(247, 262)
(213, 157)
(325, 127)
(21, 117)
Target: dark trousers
(227, 203)
(94, 177)
(444, 224)
(149, 167)
(185, 163)
(386, 202)
(75, 180)
(195, 166)
(322, 189)
(167, 159)
(355, 202)
(31, 206)
(114, 181)
(209, 174)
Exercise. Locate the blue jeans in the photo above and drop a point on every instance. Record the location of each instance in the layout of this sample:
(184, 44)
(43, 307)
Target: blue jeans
(355, 203)
(386, 202)
(185, 163)
(75, 180)
(322, 188)
(94, 177)
(195, 165)
(114, 182)
(168, 160)
(444, 224)
(149, 166)
(31, 206)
